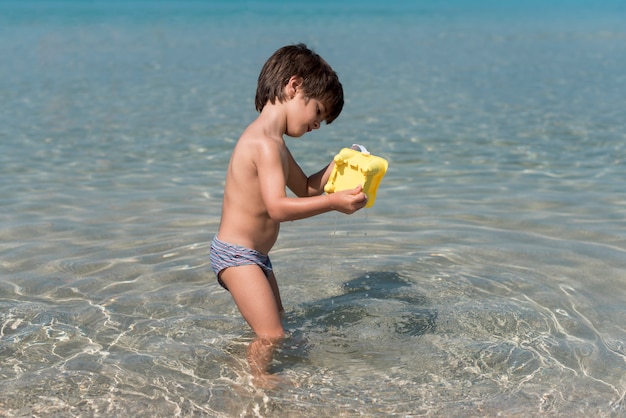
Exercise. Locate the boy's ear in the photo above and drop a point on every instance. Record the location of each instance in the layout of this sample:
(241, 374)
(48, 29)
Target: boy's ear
(293, 85)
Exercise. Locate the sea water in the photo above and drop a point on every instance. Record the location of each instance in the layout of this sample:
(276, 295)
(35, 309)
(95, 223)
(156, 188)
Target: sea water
(488, 279)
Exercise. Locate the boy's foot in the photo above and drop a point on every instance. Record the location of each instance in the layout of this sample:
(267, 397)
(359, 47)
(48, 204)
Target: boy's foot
(270, 381)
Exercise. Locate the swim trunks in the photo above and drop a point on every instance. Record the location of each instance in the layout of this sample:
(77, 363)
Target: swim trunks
(224, 255)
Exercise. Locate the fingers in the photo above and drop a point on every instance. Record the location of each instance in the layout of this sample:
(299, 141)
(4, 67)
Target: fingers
(360, 195)
(361, 200)
(351, 200)
(356, 199)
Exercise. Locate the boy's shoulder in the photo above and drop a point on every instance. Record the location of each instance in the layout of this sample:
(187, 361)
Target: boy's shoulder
(255, 143)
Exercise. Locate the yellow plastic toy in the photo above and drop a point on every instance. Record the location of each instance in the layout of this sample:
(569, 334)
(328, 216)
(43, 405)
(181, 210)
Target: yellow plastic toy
(357, 166)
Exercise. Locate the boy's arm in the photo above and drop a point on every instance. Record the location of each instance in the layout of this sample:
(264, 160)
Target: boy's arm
(273, 175)
(304, 186)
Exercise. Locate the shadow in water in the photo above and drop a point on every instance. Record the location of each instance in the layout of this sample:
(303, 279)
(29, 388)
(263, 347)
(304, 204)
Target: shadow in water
(375, 306)
(362, 299)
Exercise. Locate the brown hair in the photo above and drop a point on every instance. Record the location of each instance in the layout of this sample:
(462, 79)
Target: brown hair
(319, 81)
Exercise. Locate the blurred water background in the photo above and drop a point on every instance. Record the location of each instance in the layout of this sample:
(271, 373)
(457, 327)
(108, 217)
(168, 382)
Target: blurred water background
(489, 278)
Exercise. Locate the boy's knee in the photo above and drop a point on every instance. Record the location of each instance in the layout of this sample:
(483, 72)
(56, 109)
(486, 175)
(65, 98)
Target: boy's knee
(274, 336)
(277, 336)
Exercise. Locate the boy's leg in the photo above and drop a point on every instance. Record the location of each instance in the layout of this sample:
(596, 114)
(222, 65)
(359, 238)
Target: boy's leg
(254, 295)
(272, 279)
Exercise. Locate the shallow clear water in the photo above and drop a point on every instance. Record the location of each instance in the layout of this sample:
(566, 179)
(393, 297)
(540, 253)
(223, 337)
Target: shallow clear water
(488, 278)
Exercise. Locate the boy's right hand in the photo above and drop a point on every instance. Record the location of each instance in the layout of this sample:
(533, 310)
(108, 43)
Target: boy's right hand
(349, 201)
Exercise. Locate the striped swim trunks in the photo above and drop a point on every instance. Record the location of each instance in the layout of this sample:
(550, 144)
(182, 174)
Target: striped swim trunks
(224, 255)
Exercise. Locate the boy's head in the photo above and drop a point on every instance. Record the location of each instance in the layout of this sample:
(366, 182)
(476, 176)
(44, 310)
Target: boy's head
(319, 81)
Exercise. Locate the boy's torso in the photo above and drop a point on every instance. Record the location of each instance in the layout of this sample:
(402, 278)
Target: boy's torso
(245, 218)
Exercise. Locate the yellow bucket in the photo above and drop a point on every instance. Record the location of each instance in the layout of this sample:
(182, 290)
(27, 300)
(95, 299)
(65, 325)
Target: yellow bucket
(354, 167)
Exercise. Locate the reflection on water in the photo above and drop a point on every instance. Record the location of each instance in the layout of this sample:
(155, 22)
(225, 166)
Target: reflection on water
(439, 315)
(456, 331)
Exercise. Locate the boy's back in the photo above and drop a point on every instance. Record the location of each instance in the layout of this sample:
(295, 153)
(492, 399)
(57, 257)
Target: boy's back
(245, 217)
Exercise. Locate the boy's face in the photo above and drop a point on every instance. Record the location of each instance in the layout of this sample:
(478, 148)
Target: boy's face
(305, 114)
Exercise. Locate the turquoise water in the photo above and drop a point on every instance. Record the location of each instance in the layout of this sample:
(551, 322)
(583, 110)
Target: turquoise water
(488, 279)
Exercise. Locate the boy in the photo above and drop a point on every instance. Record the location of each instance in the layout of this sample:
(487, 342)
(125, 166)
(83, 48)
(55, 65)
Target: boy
(296, 91)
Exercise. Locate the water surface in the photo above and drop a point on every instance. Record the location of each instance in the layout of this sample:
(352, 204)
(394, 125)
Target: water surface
(487, 279)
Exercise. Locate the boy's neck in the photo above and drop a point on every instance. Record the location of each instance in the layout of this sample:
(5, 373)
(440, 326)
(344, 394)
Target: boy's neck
(273, 120)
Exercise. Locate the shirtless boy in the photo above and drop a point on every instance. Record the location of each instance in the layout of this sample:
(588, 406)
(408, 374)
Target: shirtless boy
(296, 91)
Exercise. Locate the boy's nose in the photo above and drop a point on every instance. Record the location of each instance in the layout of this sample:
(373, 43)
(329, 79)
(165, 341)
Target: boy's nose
(316, 125)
